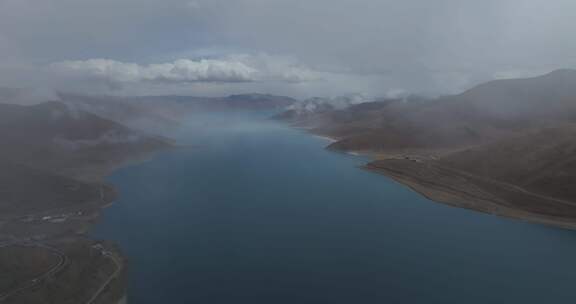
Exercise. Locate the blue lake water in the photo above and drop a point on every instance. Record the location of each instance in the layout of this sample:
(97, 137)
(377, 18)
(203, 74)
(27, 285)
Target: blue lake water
(256, 212)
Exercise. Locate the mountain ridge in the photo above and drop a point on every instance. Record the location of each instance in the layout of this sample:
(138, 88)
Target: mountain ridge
(504, 147)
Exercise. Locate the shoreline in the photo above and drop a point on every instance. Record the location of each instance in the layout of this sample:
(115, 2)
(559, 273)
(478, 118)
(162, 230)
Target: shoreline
(325, 138)
(331, 140)
(453, 194)
(69, 228)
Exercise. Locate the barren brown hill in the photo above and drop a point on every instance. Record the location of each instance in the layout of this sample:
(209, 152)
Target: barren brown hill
(54, 137)
(542, 161)
(529, 176)
(26, 190)
(505, 147)
(483, 114)
(140, 116)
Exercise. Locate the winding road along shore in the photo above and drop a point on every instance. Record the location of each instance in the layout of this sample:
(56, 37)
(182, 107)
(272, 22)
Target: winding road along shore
(59, 266)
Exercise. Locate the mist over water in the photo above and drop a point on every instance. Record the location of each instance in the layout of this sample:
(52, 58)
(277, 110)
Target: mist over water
(257, 212)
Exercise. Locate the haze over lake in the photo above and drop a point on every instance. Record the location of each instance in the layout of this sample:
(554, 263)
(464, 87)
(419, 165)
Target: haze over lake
(257, 212)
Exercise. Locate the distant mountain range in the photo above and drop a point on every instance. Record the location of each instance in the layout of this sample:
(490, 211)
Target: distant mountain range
(302, 110)
(153, 113)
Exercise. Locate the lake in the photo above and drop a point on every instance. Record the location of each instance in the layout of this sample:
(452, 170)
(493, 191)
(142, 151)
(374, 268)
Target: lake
(257, 212)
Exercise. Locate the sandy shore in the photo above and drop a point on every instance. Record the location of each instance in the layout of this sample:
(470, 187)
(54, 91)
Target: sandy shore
(326, 138)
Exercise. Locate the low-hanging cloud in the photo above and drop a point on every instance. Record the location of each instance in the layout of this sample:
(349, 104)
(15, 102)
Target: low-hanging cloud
(232, 69)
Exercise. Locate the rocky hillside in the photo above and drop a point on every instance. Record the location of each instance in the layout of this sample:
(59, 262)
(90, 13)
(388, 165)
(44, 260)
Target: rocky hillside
(506, 147)
(52, 162)
(54, 137)
(483, 114)
(542, 161)
(122, 110)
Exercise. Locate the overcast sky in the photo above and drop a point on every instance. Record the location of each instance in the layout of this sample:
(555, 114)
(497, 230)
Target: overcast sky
(293, 47)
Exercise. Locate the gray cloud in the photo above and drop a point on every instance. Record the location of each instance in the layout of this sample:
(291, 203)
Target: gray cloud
(371, 46)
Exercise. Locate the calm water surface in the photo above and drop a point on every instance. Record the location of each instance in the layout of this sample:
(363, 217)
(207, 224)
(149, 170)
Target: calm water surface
(259, 213)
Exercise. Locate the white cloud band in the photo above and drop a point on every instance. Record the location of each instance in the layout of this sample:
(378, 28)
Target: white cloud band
(239, 68)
